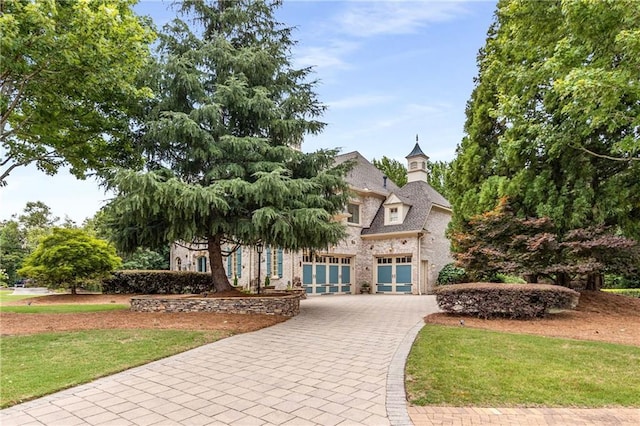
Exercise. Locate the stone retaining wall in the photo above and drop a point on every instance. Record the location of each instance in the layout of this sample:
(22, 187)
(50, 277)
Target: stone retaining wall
(288, 306)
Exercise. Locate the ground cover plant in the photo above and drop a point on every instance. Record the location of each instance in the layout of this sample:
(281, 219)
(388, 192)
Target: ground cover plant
(504, 370)
(630, 292)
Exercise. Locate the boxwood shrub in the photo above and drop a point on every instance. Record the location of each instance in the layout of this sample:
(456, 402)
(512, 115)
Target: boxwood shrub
(489, 300)
(157, 282)
(451, 274)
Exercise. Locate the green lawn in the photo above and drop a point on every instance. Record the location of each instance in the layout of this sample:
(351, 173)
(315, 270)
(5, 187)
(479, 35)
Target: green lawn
(36, 365)
(61, 309)
(6, 296)
(461, 366)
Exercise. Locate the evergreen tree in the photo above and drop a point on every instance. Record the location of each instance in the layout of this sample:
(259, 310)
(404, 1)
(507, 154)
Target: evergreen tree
(221, 141)
(552, 122)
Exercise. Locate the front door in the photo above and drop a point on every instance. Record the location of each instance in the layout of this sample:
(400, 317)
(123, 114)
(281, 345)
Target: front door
(326, 274)
(393, 274)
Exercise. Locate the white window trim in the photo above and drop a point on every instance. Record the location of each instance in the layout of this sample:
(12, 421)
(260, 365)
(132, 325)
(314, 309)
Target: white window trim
(274, 264)
(401, 214)
(359, 222)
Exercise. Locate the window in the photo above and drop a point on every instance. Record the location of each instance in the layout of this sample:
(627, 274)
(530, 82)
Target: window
(201, 264)
(178, 264)
(274, 262)
(393, 214)
(413, 165)
(234, 264)
(354, 211)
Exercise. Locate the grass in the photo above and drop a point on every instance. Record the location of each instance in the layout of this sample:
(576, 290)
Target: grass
(61, 309)
(461, 366)
(36, 365)
(6, 296)
(631, 292)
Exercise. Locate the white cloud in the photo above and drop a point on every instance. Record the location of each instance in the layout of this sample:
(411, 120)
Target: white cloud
(366, 19)
(329, 56)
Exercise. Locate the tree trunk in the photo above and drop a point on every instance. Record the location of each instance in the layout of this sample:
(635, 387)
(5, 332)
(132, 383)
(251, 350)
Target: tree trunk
(218, 274)
(73, 289)
(563, 279)
(594, 281)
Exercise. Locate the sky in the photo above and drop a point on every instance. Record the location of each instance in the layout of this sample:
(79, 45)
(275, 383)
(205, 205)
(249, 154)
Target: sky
(388, 71)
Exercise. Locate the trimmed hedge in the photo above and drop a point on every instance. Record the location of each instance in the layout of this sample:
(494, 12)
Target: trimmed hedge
(157, 282)
(489, 300)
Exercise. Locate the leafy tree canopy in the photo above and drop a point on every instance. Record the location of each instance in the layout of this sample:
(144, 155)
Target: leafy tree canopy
(553, 120)
(221, 142)
(12, 249)
(393, 169)
(67, 257)
(438, 176)
(68, 83)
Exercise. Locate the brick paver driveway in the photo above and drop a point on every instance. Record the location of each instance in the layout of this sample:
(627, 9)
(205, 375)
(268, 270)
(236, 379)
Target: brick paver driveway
(329, 365)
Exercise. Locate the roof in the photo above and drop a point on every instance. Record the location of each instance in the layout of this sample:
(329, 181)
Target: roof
(365, 176)
(422, 197)
(416, 152)
(419, 195)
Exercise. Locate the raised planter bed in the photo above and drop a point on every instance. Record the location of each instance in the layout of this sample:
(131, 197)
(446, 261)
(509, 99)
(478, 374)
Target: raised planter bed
(285, 305)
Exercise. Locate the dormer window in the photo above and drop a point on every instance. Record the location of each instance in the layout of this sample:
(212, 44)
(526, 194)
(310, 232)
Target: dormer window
(395, 210)
(393, 214)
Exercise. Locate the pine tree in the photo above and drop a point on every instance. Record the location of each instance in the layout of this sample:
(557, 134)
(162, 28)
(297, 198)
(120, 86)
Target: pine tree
(222, 142)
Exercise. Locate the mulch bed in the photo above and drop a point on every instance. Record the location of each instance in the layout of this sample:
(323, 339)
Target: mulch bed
(599, 316)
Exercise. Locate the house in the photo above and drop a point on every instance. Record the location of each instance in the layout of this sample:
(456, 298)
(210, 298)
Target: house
(396, 240)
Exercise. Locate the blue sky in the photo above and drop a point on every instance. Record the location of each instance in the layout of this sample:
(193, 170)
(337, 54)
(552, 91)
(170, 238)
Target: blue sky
(387, 70)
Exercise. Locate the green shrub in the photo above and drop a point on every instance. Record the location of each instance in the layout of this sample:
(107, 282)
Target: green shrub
(157, 282)
(631, 292)
(619, 281)
(487, 300)
(509, 279)
(451, 274)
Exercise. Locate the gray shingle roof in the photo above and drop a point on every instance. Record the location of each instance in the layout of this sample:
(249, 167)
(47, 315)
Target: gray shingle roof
(422, 197)
(419, 195)
(364, 175)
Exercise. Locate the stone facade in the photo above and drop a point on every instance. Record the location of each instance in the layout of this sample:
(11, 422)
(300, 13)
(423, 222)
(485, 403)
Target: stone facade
(287, 305)
(418, 239)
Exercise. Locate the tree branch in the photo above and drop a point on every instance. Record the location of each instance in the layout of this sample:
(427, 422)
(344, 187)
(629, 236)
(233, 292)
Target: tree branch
(595, 154)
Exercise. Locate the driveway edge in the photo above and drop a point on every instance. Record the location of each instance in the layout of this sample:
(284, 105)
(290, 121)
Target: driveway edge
(396, 402)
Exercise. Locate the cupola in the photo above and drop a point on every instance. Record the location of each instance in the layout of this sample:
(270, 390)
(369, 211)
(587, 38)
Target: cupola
(417, 164)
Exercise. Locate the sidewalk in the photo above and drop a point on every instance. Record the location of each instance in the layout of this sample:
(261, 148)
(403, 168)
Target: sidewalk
(462, 416)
